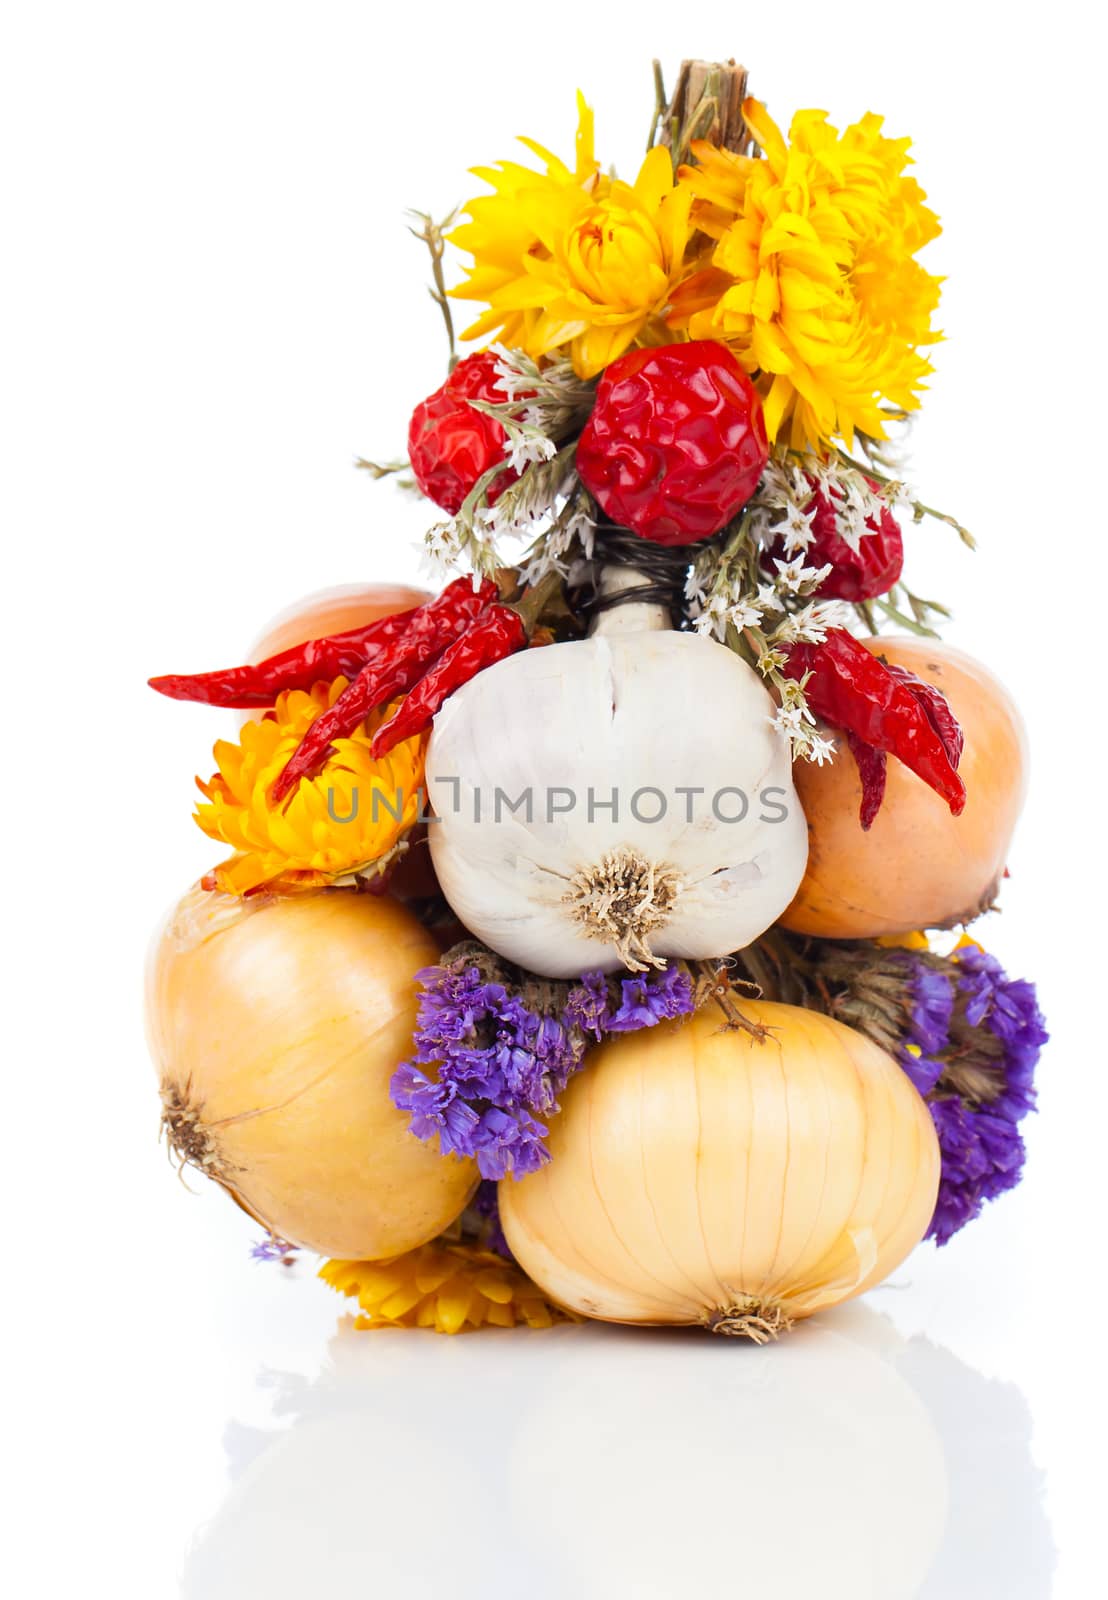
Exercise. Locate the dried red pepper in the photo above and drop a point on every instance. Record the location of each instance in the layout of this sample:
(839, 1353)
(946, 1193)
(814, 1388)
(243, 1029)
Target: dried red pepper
(248, 687)
(497, 633)
(430, 630)
(872, 765)
(936, 708)
(885, 709)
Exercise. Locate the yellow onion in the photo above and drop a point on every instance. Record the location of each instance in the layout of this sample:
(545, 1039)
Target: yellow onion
(702, 1175)
(275, 1028)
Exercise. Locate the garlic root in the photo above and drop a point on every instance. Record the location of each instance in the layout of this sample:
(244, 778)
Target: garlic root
(622, 901)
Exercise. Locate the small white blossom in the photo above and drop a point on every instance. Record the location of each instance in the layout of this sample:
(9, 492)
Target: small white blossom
(796, 530)
(768, 599)
(713, 618)
(442, 549)
(820, 749)
(525, 445)
(812, 623)
(794, 577)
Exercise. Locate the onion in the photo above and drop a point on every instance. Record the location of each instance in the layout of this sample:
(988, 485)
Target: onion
(707, 1176)
(917, 866)
(327, 611)
(275, 1028)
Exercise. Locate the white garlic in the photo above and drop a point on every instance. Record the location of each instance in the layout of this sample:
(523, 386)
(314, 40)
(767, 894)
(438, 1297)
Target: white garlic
(615, 800)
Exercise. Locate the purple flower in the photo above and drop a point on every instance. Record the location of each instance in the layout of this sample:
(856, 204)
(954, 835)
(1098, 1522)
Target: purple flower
(274, 1248)
(1009, 1008)
(931, 1008)
(435, 1108)
(495, 1064)
(646, 1001)
(495, 1067)
(486, 1207)
(979, 1139)
(982, 1156)
(509, 1144)
(587, 1005)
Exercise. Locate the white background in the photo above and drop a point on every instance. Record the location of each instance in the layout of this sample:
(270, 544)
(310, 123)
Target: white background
(210, 307)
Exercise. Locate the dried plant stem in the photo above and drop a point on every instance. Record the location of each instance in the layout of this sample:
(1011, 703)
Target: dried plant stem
(707, 104)
(433, 235)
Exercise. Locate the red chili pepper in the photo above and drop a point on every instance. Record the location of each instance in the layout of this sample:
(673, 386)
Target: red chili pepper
(245, 688)
(499, 632)
(430, 630)
(936, 708)
(872, 767)
(890, 711)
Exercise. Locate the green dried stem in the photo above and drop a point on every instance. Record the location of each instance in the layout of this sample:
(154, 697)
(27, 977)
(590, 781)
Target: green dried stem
(919, 508)
(381, 469)
(433, 235)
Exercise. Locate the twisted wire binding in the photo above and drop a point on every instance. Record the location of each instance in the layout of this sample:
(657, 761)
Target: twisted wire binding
(664, 569)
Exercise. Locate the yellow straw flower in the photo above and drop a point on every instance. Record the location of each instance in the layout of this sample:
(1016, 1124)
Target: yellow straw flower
(575, 260)
(813, 280)
(349, 820)
(448, 1287)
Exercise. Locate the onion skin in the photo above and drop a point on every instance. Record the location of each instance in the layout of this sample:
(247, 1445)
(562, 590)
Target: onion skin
(328, 611)
(275, 1030)
(699, 1174)
(917, 866)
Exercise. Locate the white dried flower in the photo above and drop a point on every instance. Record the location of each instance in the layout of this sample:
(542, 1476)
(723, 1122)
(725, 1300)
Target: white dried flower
(525, 445)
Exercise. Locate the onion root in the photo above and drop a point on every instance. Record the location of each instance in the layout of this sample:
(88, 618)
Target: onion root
(751, 1317)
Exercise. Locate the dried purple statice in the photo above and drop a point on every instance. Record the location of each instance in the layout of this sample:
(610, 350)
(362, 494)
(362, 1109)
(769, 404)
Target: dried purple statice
(274, 1248)
(495, 1048)
(986, 1088)
(482, 1218)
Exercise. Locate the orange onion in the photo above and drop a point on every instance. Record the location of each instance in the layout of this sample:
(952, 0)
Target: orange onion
(275, 1028)
(708, 1176)
(917, 866)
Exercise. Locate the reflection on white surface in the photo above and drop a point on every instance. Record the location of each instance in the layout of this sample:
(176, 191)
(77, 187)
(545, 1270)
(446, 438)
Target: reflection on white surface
(846, 1461)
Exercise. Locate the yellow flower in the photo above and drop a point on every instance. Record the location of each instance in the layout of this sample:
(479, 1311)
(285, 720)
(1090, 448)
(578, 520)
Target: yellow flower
(575, 259)
(349, 820)
(813, 280)
(448, 1287)
(903, 941)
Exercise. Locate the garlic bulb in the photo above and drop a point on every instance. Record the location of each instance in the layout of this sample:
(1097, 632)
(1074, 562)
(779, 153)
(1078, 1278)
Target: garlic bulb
(701, 1175)
(617, 799)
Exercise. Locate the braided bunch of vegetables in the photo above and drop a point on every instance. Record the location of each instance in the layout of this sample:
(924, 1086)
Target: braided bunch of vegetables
(691, 1056)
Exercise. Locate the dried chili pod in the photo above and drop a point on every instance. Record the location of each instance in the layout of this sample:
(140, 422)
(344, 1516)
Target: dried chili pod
(497, 633)
(249, 687)
(937, 710)
(872, 767)
(431, 629)
(854, 690)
